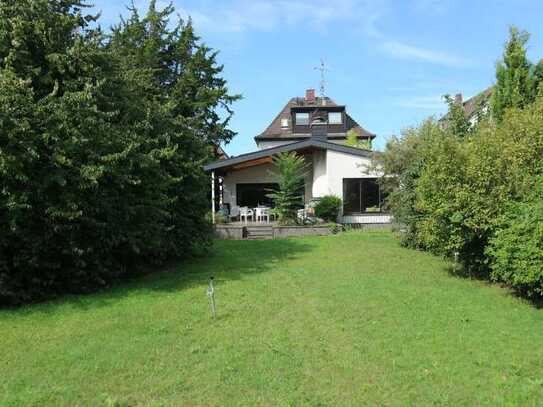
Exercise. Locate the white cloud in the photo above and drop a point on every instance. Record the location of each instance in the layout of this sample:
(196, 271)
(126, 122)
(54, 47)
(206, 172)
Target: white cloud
(404, 51)
(267, 15)
(245, 16)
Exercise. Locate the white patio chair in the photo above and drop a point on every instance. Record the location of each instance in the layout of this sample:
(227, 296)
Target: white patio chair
(263, 213)
(245, 212)
(234, 212)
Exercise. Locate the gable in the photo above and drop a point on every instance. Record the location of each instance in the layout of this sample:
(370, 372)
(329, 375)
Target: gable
(276, 130)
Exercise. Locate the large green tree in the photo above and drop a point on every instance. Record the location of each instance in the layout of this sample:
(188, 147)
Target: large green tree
(102, 141)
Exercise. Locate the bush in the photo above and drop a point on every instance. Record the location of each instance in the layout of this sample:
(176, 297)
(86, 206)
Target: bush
(517, 249)
(328, 208)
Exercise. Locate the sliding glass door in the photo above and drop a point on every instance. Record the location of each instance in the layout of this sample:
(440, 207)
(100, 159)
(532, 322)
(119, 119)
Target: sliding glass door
(361, 195)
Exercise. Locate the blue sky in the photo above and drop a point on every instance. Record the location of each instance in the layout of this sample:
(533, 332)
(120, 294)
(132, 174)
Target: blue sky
(390, 61)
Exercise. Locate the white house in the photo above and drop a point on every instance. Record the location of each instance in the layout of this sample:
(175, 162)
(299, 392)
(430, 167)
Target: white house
(315, 128)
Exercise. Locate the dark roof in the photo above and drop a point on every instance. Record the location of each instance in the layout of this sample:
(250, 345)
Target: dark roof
(276, 131)
(472, 105)
(299, 145)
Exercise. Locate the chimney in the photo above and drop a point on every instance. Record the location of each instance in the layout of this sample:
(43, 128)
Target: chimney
(310, 96)
(319, 126)
(458, 99)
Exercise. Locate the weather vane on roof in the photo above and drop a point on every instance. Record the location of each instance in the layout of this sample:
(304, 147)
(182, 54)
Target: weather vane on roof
(323, 69)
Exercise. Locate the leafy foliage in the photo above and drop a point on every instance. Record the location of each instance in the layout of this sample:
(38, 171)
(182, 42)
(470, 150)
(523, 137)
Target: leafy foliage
(353, 141)
(101, 145)
(452, 193)
(328, 208)
(462, 189)
(517, 81)
(457, 122)
(291, 172)
(402, 163)
(516, 249)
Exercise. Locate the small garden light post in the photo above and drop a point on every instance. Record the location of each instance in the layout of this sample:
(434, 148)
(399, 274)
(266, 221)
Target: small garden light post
(211, 294)
(456, 254)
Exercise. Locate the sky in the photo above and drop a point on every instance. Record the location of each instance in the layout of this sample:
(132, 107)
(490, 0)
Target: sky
(389, 61)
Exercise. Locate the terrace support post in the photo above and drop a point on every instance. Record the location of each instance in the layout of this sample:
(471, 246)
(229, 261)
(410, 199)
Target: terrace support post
(213, 197)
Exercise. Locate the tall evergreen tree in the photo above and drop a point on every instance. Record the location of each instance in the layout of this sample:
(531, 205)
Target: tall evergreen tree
(513, 81)
(102, 142)
(180, 66)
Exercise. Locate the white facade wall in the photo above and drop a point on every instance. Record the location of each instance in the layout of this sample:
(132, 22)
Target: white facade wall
(341, 165)
(319, 187)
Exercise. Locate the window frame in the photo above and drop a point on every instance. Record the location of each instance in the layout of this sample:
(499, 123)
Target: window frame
(340, 114)
(302, 113)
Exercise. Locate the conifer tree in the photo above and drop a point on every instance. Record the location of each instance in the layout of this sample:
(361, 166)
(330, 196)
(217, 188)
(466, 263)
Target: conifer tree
(513, 76)
(102, 142)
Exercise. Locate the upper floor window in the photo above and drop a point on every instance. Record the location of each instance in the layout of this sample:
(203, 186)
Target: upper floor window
(284, 123)
(302, 119)
(334, 118)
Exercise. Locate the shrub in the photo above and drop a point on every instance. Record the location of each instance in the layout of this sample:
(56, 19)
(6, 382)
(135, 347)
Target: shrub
(328, 208)
(517, 249)
(402, 163)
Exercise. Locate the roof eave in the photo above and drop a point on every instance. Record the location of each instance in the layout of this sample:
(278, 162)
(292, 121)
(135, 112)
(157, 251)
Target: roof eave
(286, 148)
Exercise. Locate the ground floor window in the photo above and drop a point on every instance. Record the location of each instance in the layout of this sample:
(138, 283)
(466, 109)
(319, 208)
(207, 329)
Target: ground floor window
(361, 195)
(253, 195)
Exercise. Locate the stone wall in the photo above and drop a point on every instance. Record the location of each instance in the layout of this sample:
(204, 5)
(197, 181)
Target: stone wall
(230, 232)
(290, 231)
(239, 232)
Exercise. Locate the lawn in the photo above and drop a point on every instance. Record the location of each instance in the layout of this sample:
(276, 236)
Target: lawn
(350, 319)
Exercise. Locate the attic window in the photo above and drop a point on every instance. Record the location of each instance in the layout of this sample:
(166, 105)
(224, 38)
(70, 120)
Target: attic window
(334, 118)
(284, 123)
(302, 119)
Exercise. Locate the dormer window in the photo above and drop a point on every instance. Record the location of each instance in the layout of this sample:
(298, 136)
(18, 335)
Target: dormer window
(302, 119)
(334, 118)
(284, 123)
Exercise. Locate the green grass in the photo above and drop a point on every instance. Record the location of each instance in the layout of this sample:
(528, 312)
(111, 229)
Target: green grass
(352, 319)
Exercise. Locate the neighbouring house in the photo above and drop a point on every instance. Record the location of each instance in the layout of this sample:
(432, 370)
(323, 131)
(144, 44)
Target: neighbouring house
(474, 107)
(316, 128)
